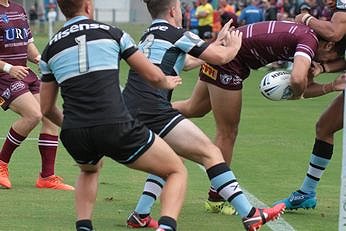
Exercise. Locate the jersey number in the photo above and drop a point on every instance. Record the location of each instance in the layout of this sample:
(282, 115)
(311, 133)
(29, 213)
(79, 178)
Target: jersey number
(147, 43)
(82, 54)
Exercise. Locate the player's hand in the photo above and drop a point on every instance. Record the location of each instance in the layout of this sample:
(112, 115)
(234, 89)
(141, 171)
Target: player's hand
(299, 18)
(172, 82)
(339, 83)
(37, 59)
(19, 72)
(224, 31)
(234, 39)
(316, 68)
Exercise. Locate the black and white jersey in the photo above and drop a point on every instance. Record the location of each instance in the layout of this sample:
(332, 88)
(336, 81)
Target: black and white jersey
(165, 46)
(83, 58)
(341, 5)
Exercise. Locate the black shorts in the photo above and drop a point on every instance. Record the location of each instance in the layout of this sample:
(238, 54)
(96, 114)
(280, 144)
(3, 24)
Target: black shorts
(123, 142)
(159, 121)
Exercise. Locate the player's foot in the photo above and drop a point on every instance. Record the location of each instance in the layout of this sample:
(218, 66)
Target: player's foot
(52, 182)
(222, 207)
(4, 180)
(262, 216)
(134, 221)
(299, 200)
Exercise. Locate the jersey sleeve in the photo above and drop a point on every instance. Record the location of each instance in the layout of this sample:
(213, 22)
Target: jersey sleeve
(307, 46)
(191, 43)
(341, 5)
(46, 73)
(126, 44)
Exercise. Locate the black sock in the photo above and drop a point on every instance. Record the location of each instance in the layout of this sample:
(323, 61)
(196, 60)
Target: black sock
(84, 225)
(169, 222)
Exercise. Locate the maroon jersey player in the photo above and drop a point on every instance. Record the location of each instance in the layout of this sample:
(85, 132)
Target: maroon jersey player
(19, 92)
(219, 87)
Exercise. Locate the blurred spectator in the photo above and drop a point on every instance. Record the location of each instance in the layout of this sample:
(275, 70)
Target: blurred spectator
(204, 14)
(271, 11)
(41, 18)
(33, 18)
(224, 7)
(251, 14)
(192, 20)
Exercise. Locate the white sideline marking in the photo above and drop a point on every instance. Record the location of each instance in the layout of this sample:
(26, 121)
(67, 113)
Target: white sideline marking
(277, 225)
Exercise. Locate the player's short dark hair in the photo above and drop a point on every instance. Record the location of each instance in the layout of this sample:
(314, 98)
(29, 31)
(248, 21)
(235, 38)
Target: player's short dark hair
(158, 7)
(70, 7)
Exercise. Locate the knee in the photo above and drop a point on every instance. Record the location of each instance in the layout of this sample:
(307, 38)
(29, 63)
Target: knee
(33, 118)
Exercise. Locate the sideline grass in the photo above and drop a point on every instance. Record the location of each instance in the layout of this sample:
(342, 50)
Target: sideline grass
(270, 160)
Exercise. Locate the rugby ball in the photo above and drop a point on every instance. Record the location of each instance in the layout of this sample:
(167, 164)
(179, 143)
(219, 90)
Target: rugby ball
(276, 85)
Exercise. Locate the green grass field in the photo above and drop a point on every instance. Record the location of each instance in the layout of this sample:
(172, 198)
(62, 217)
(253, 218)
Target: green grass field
(270, 160)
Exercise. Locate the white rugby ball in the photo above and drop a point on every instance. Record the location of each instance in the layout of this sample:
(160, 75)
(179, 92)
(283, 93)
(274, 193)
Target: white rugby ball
(276, 85)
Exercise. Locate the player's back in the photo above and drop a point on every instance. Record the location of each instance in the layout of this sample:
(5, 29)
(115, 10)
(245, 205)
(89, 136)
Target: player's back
(270, 41)
(84, 59)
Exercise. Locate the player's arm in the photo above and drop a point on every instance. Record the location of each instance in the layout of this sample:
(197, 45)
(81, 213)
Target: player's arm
(17, 72)
(318, 89)
(219, 54)
(48, 97)
(333, 30)
(192, 62)
(299, 75)
(152, 73)
(33, 53)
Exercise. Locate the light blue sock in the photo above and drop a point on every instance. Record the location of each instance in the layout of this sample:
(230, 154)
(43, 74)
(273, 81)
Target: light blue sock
(152, 190)
(225, 183)
(316, 168)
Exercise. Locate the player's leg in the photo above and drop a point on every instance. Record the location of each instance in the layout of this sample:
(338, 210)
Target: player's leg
(226, 106)
(196, 146)
(197, 105)
(85, 194)
(140, 217)
(162, 161)
(329, 122)
(47, 145)
(26, 106)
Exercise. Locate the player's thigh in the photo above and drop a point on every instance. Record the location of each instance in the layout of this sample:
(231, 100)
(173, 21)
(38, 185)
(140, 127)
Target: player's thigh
(226, 105)
(26, 105)
(159, 159)
(331, 119)
(198, 104)
(190, 142)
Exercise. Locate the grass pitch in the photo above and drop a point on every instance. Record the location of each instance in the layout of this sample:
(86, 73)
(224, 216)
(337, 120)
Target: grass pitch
(270, 160)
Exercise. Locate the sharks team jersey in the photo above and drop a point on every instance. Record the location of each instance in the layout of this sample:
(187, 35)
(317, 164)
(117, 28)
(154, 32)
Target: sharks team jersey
(166, 46)
(341, 5)
(89, 79)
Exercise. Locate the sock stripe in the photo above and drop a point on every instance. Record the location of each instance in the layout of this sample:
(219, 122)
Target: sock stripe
(225, 185)
(312, 177)
(13, 140)
(149, 194)
(234, 196)
(317, 166)
(155, 182)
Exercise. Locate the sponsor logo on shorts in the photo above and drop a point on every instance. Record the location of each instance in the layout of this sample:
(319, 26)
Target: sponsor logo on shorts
(17, 86)
(2, 101)
(227, 79)
(209, 71)
(6, 94)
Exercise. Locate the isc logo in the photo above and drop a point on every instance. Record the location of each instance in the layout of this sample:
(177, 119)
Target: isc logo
(209, 71)
(12, 34)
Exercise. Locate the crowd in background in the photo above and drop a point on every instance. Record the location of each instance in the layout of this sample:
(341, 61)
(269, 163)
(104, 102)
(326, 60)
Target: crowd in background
(247, 11)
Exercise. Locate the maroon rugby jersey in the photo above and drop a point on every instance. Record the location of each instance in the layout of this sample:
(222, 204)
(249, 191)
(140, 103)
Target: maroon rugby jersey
(14, 34)
(270, 41)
